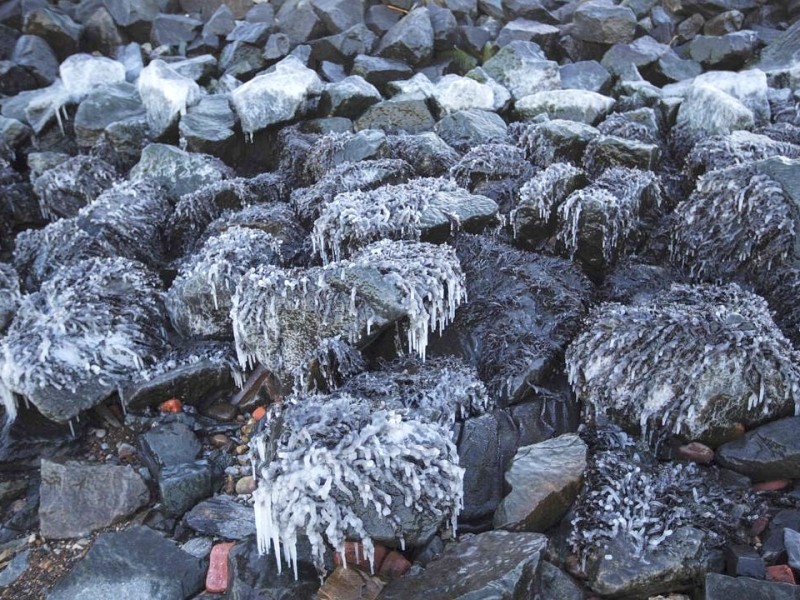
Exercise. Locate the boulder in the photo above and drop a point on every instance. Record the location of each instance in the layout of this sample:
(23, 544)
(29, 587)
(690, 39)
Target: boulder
(168, 445)
(176, 171)
(410, 39)
(523, 69)
(570, 105)
(221, 516)
(767, 452)
(165, 95)
(465, 129)
(604, 23)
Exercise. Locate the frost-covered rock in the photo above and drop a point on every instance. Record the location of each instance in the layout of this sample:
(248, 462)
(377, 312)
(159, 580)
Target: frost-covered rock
(362, 176)
(66, 188)
(522, 311)
(467, 128)
(523, 69)
(571, 105)
(708, 111)
(642, 124)
(608, 151)
(735, 218)
(338, 468)
(740, 147)
(38, 108)
(103, 106)
(82, 335)
(176, 171)
(83, 73)
(425, 207)
(275, 96)
(452, 93)
(696, 361)
(427, 153)
(199, 300)
(165, 94)
(9, 294)
(281, 317)
(554, 141)
(335, 149)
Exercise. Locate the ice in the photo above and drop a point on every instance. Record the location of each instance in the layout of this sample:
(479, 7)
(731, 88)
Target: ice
(83, 73)
(165, 94)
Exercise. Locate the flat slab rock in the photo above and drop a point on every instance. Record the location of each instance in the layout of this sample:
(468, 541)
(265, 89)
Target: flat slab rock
(135, 564)
(771, 451)
(722, 587)
(78, 498)
(222, 517)
(495, 565)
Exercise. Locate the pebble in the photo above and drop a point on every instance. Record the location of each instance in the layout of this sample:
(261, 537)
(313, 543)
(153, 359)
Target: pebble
(222, 412)
(246, 485)
(173, 405)
(100, 433)
(781, 574)
(394, 565)
(220, 440)
(696, 452)
(772, 486)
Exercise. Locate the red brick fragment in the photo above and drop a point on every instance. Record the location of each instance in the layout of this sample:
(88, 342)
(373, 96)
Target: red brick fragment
(772, 486)
(781, 574)
(217, 576)
(394, 565)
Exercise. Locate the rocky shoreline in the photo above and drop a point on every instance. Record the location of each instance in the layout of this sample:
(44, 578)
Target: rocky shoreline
(351, 299)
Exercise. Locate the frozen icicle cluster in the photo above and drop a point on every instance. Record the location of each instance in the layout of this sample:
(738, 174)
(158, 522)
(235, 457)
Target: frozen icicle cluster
(553, 141)
(199, 300)
(71, 185)
(348, 177)
(628, 493)
(490, 161)
(641, 125)
(335, 468)
(734, 219)
(738, 148)
(333, 149)
(281, 316)
(327, 366)
(404, 211)
(694, 361)
(427, 153)
(89, 329)
(166, 94)
(9, 294)
(219, 353)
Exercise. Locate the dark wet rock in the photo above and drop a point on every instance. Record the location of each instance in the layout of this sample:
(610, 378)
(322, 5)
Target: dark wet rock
(137, 563)
(570, 105)
(380, 71)
(467, 128)
(222, 517)
(558, 585)
(167, 445)
(298, 20)
(508, 329)
(173, 30)
(107, 105)
(30, 437)
(642, 124)
(523, 69)
(340, 15)
(349, 97)
(68, 187)
(343, 47)
(410, 39)
(427, 153)
(208, 126)
(493, 170)
(56, 28)
(722, 587)
(728, 51)
(604, 23)
(463, 571)
(15, 79)
(326, 153)
(33, 53)
(722, 398)
(609, 151)
(544, 480)
(100, 33)
(556, 141)
(744, 561)
(768, 452)
(15, 568)
(252, 575)
(242, 60)
(380, 18)
(407, 114)
(176, 171)
(585, 75)
(79, 498)
(182, 486)
(643, 52)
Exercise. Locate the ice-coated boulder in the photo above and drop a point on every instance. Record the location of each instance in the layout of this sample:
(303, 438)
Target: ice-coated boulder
(165, 94)
(83, 73)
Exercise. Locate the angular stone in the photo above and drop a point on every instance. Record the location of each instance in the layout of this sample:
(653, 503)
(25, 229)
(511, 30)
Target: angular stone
(208, 126)
(79, 498)
(14, 569)
(571, 105)
(729, 51)
(771, 451)
(107, 105)
(527, 30)
(585, 75)
(523, 69)
(604, 23)
(183, 485)
(379, 71)
(607, 151)
(176, 171)
(33, 53)
(722, 587)
(136, 564)
(349, 97)
(744, 561)
(464, 570)
(222, 517)
(408, 114)
(165, 94)
(167, 445)
(56, 28)
(544, 479)
(453, 93)
(353, 584)
(410, 39)
(558, 585)
(173, 30)
(299, 21)
(465, 129)
(339, 15)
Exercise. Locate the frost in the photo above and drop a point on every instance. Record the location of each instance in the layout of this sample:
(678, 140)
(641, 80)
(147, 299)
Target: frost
(740, 147)
(218, 353)
(165, 94)
(282, 316)
(453, 93)
(490, 162)
(406, 211)
(199, 300)
(338, 468)
(427, 153)
(640, 125)
(693, 361)
(9, 294)
(89, 329)
(71, 185)
(84, 73)
(553, 141)
(734, 219)
(46, 104)
(334, 149)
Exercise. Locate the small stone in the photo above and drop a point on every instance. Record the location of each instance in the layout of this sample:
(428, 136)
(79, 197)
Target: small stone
(259, 413)
(394, 565)
(173, 405)
(242, 449)
(744, 561)
(772, 486)
(221, 516)
(126, 452)
(781, 574)
(199, 547)
(217, 576)
(350, 584)
(220, 440)
(791, 543)
(246, 485)
(222, 412)
(696, 452)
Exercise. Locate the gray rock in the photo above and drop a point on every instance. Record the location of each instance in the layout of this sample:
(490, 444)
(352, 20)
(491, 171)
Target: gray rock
(380, 71)
(56, 28)
(208, 126)
(33, 53)
(406, 114)
(176, 171)
(791, 541)
(181, 486)
(604, 23)
(556, 141)
(570, 105)
(526, 30)
(135, 564)
(222, 22)
(427, 153)
(724, 23)
(729, 51)
(467, 128)
(707, 111)
(771, 451)
(173, 30)
(410, 39)
(523, 69)
(256, 34)
(722, 587)
(674, 68)
(239, 59)
(199, 547)
(340, 15)
(345, 46)
(167, 445)
(165, 94)
(222, 517)
(78, 181)
(781, 55)
(197, 68)
(585, 75)
(79, 498)
(641, 53)
(607, 151)
(544, 479)
(464, 572)
(557, 585)
(349, 97)
(298, 20)
(101, 108)
(14, 569)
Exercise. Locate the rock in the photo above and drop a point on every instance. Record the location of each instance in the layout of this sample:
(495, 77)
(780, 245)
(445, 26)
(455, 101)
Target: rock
(609, 151)
(183, 485)
(167, 445)
(14, 569)
(246, 485)
(104, 106)
(689, 28)
(726, 22)
(641, 53)
(353, 584)
(427, 153)
(56, 28)
(780, 55)
(199, 547)
(696, 452)
(495, 171)
(349, 97)
(165, 95)
(585, 75)
(222, 412)
(394, 565)
(673, 565)
(410, 39)
(791, 542)
(467, 128)
(33, 53)
(743, 561)
(198, 68)
(15, 79)
(406, 114)
(78, 181)
(136, 563)
(100, 33)
(222, 517)
(299, 21)
(463, 571)
(380, 71)
(544, 480)
(558, 585)
(254, 575)
(604, 23)
(208, 126)
(767, 452)
(176, 171)
(556, 141)
(339, 15)
(696, 120)
(11, 490)
(673, 68)
(729, 51)
(275, 96)
(217, 576)
(453, 93)
(173, 30)
(79, 498)
(523, 69)
(780, 574)
(722, 587)
(527, 30)
(571, 105)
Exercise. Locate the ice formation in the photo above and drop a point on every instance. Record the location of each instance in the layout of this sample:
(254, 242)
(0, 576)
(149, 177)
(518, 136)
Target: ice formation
(740, 147)
(490, 161)
(9, 294)
(83, 73)
(66, 188)
(693, 361)
(94, 325)
(335, 468)
(282, 316)
(165, 94)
